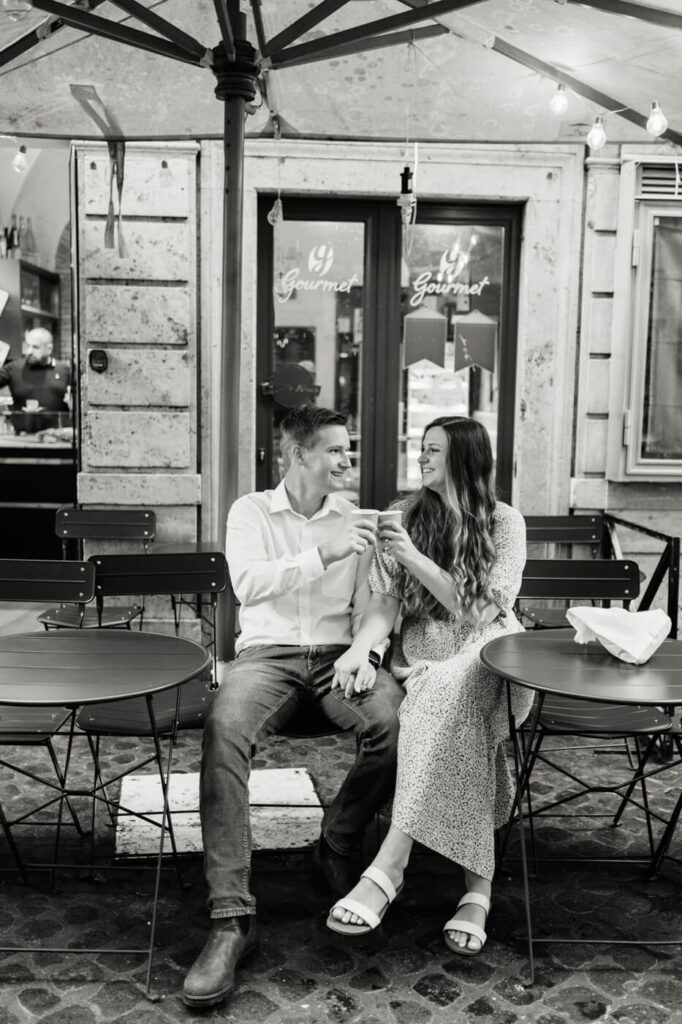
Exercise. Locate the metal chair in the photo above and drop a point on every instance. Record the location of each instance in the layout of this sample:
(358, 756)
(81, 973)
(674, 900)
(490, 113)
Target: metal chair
(598, 581)
(567, 532)
(183, 707)
(31, 581)
(117, 524)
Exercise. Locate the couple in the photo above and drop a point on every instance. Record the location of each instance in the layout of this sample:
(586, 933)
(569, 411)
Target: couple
(314, 625)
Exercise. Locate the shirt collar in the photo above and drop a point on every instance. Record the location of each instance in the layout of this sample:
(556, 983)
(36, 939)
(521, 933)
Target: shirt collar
(279, 502)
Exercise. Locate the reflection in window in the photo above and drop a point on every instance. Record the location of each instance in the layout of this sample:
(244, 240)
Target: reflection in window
(662, 400)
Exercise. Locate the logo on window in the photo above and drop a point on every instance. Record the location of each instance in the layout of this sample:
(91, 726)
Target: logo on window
(452, 262)
(320, 259)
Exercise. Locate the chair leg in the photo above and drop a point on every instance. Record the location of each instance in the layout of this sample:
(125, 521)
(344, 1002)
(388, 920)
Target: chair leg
(18, 860)
(58, 772)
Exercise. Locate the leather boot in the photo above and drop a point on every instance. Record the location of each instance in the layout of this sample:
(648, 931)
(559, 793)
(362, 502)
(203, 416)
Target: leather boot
(211, 977)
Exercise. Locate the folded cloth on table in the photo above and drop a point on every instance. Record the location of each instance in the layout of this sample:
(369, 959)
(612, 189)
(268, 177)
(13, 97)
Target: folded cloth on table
(630, 636)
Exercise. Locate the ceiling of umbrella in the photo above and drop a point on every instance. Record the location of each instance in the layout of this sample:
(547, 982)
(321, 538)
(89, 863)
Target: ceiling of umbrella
(443, 71)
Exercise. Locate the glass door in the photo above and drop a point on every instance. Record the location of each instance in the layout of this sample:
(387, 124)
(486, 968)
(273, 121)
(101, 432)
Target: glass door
(329, 313)
(392, 331)
(458, 292)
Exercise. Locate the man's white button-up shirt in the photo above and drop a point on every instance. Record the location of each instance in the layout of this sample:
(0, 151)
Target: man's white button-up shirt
(287, 596)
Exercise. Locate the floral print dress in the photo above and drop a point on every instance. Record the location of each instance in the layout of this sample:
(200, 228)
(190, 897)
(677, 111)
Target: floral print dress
(454, 786)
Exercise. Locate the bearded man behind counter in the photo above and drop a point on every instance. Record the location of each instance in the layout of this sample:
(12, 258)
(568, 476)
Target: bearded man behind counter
(37, 376)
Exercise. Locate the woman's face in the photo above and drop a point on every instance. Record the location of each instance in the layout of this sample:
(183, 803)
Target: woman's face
(434, 458)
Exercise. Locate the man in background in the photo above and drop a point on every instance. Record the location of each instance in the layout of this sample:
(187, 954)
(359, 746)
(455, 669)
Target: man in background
(37, 377)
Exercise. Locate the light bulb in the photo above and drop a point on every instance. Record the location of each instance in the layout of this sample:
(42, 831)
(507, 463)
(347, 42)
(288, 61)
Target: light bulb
(657, 122)
(20, 163)
(559, 101)
(276, 213)
(16, 10)
(596, 137)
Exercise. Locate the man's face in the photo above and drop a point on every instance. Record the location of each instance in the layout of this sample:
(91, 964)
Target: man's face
(325, 465)
(37, 349)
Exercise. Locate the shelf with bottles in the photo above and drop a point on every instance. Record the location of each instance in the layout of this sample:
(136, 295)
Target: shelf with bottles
(39, 291)
(17, 239)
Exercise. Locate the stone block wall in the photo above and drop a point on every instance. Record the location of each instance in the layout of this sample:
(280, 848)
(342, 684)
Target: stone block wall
(139, 442)
(602, 353)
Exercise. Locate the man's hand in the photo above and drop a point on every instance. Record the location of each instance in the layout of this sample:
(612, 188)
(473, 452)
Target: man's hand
(353, 673)
(352, 539)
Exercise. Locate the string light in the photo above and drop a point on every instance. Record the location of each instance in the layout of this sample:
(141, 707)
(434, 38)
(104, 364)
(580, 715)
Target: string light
(559, 101)
(20, 163)
(657, 122)
(596, 137)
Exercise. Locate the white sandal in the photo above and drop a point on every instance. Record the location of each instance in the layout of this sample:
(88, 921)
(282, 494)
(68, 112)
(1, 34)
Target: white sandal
(372, 920)
(468, 927)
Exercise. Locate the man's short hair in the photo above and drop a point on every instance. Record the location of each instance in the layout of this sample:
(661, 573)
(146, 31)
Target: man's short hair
(301, 426)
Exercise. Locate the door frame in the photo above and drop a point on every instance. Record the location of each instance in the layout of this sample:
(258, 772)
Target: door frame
(381, 314)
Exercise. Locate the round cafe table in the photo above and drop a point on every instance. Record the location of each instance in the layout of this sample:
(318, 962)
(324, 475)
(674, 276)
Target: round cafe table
(75, 667)
(551, 662)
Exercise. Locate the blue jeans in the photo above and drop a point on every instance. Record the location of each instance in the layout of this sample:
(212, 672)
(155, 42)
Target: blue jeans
(259, 694)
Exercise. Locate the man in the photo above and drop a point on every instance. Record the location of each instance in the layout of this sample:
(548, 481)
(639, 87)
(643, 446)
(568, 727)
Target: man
(37, 376)
(298, 563)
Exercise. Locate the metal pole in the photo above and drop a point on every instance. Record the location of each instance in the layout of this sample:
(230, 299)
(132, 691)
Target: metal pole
(236, 86)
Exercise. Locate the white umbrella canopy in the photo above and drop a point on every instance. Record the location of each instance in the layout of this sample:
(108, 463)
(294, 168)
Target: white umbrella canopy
(476, 71)
(439, 71)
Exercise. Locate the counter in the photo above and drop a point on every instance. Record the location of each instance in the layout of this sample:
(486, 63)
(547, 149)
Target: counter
(37, 475)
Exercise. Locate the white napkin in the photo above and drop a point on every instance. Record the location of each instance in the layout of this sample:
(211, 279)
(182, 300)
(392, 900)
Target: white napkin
(630, 636)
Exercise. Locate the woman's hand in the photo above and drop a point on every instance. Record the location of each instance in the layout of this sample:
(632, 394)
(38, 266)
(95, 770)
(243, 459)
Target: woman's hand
(353, 673)
(396, 541)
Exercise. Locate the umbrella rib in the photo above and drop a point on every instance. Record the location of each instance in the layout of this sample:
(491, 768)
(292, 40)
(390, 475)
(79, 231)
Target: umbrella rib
(581, 88)
(294, 54)
(258, 22)
(655, 15)
(166, 28)
(35, 36)
(226, 32)
(307, 21)
(364, 45)
(113, 30)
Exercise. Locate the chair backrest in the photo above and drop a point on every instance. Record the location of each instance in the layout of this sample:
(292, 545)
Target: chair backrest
(564, 529)
(48, 580)
(105, 523)
(580, 579)
(200, 572)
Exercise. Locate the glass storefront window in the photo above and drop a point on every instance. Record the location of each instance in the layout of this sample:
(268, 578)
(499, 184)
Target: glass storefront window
(452, 287)
(318, 273)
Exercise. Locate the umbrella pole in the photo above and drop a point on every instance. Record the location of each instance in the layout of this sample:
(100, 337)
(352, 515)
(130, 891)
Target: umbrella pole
(236, 85)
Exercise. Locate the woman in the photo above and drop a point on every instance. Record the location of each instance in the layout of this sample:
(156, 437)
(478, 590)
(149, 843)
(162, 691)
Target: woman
(453, 570)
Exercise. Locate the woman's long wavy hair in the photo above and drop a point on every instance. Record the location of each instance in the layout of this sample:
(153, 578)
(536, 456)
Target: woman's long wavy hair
(455, 530)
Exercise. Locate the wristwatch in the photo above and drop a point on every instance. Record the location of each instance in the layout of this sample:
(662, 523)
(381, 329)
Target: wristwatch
(374, 659)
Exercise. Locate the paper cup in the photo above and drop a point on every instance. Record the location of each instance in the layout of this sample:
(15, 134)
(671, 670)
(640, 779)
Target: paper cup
(393, 515)
(370, 514)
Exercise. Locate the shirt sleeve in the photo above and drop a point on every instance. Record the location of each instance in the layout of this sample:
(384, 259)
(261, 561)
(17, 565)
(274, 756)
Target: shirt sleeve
(5, 374)
(509, 537)
(255, 576)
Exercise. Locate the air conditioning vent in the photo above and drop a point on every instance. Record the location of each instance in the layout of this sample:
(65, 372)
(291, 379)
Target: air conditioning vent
(660, 181)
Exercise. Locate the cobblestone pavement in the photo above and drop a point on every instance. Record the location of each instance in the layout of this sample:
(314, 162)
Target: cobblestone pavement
(304, 973)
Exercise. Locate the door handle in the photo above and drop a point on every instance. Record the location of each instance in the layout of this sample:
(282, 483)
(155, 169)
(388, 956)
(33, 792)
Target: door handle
(260, 455)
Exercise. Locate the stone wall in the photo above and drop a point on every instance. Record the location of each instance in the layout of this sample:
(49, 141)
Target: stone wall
(603, 355)
(137, 303)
